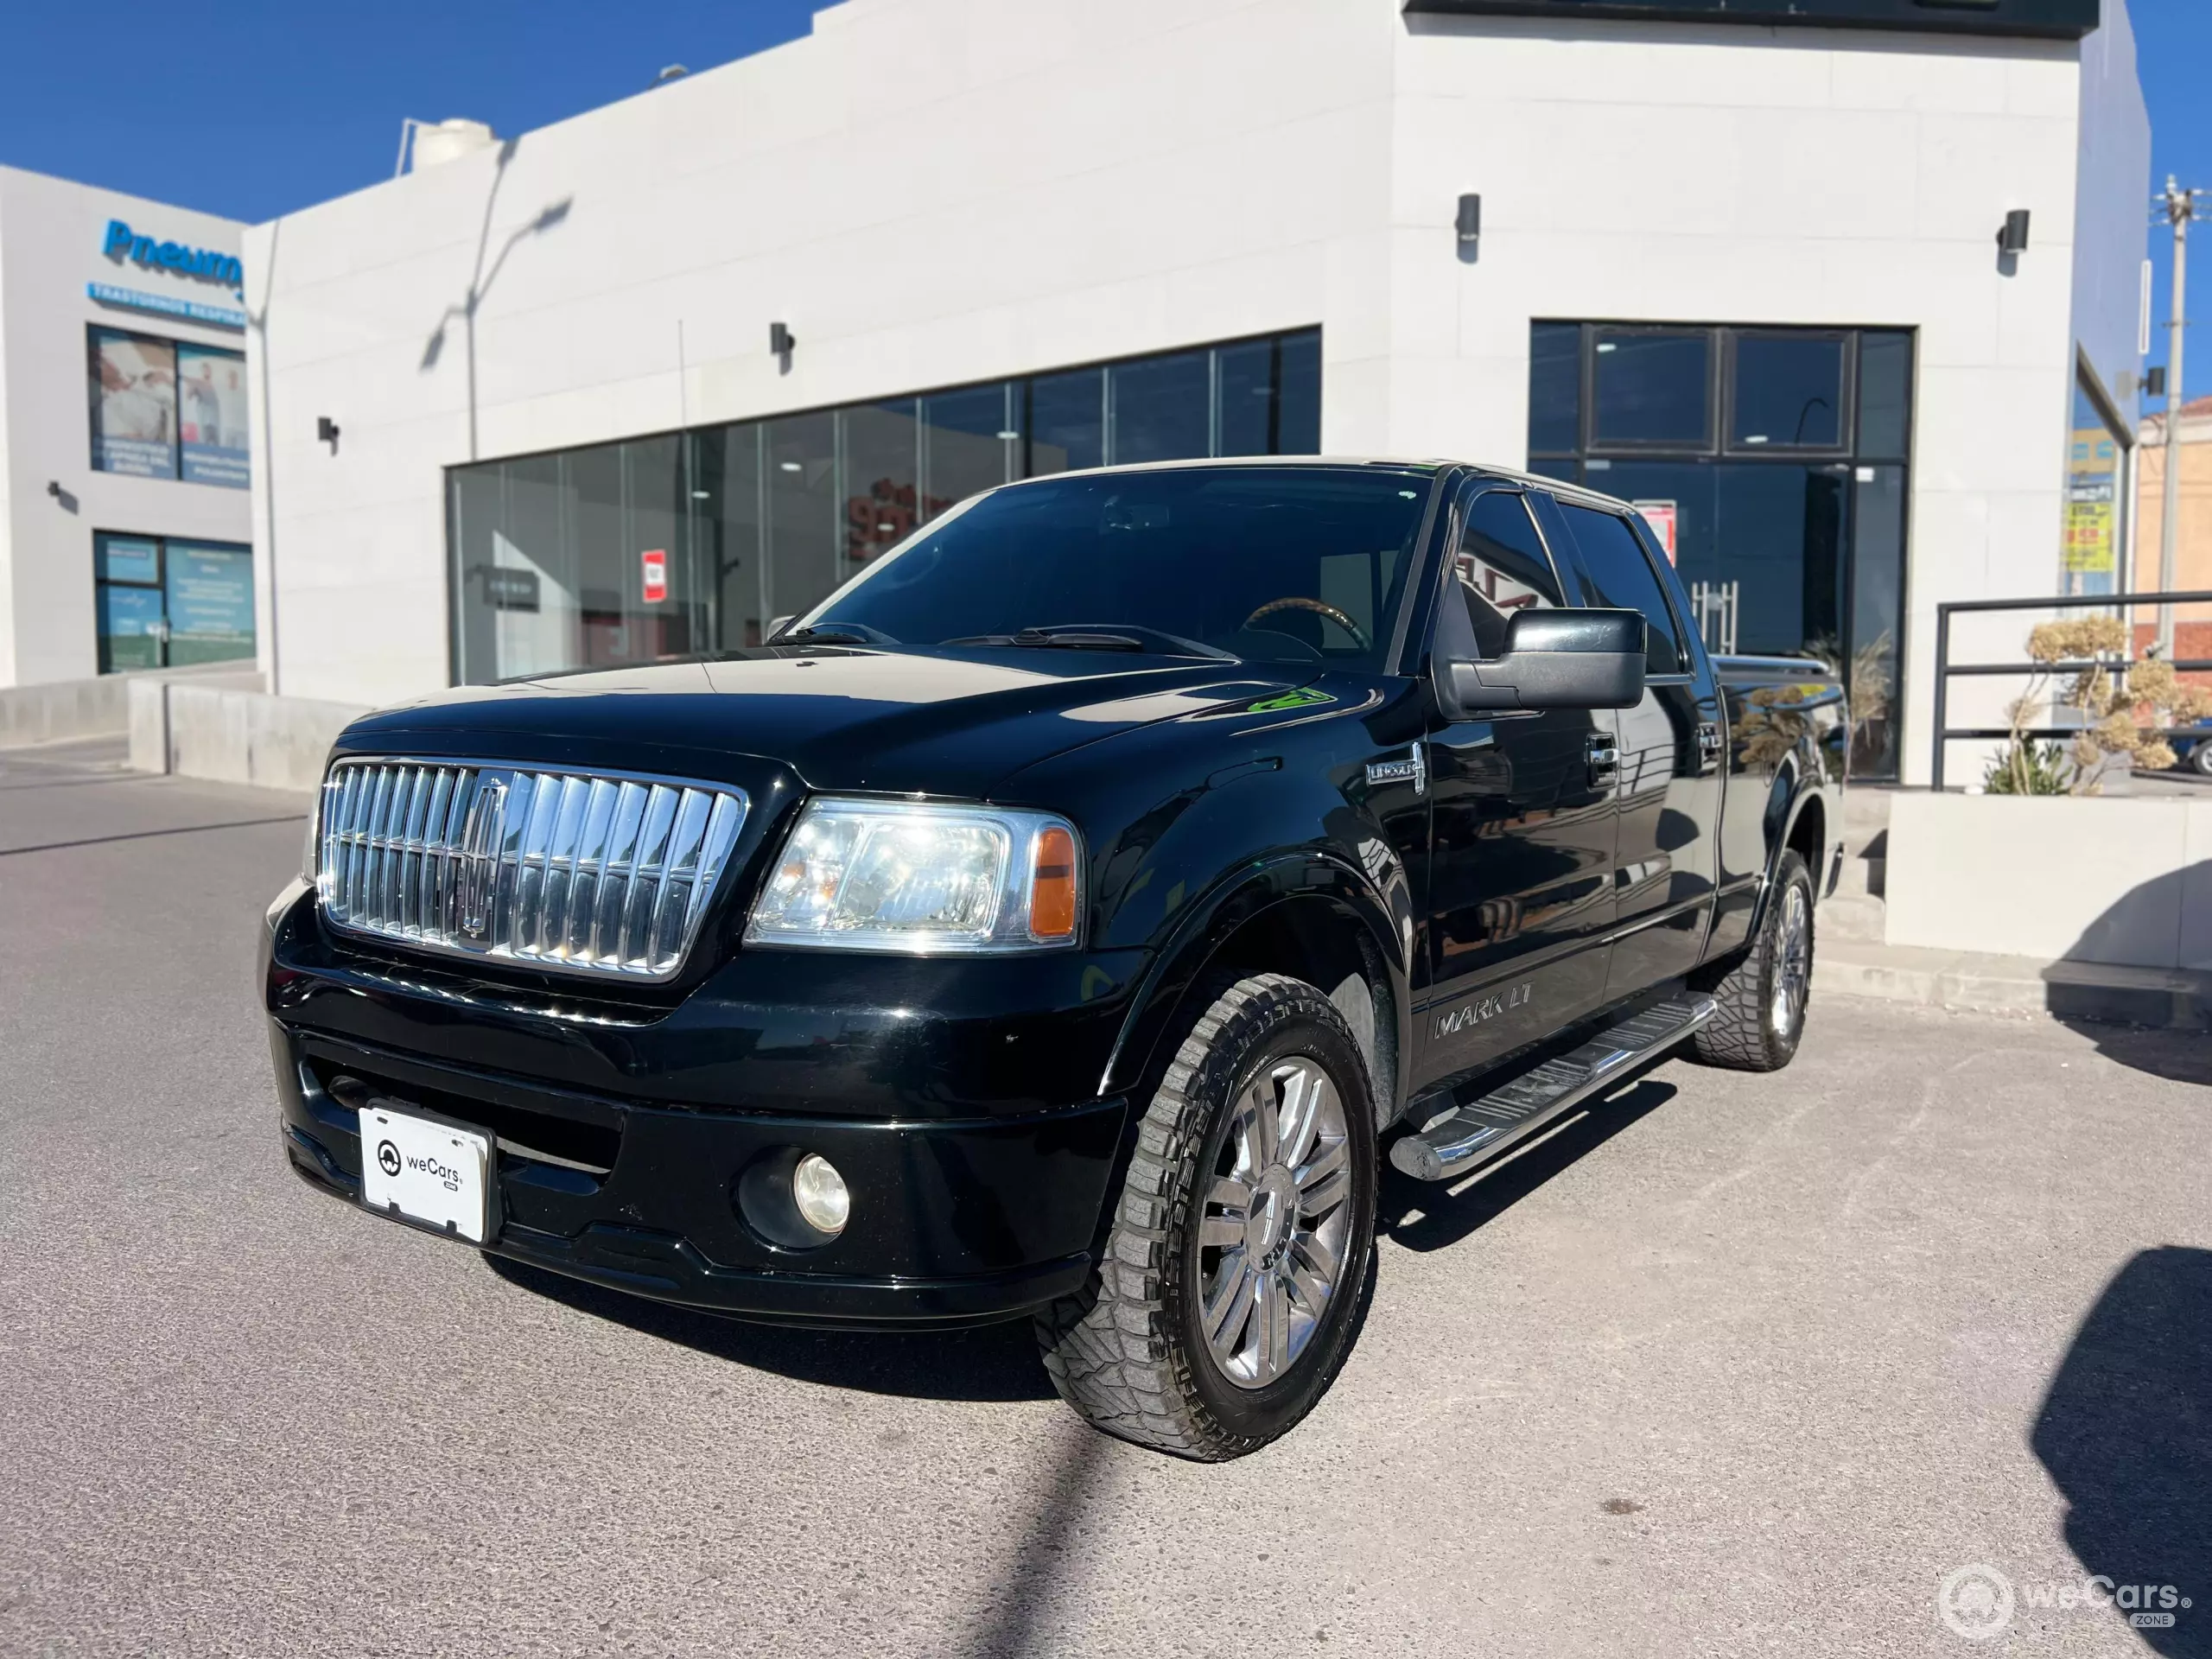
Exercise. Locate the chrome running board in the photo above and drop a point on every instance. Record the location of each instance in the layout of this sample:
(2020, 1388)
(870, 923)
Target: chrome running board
(1474, 1133)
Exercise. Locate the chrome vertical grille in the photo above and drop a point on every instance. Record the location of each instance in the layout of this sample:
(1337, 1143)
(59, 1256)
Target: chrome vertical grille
(599, 873)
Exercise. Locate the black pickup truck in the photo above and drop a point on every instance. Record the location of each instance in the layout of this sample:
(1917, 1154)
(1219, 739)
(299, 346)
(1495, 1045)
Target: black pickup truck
(1064, 919)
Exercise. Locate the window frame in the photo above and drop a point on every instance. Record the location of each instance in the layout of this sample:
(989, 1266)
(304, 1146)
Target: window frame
(1632, 522)
(1715, 391)
(1456, 534)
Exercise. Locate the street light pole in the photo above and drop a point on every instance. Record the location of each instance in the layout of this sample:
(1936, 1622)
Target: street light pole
(2180, 207)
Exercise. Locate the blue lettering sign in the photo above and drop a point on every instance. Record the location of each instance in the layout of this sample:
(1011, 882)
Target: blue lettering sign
(209, 265)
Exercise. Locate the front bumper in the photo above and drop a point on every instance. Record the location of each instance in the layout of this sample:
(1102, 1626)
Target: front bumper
(621, 1139)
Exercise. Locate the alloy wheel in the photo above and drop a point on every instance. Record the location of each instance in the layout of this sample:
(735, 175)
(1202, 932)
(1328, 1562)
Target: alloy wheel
(1794, 959)
(1272, 1235)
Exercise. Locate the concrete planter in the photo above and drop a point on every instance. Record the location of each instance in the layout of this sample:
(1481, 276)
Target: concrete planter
(234, 736)
(2116, 880)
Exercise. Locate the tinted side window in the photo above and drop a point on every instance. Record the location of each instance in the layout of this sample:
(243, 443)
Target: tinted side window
(1501, 566)
(1622, 578)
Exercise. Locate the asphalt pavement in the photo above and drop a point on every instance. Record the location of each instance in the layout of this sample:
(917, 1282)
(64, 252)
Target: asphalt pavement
(1730, 1366)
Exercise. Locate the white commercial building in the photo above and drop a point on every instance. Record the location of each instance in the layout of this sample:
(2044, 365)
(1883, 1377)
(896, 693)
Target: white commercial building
(633, 385)
(124, 512)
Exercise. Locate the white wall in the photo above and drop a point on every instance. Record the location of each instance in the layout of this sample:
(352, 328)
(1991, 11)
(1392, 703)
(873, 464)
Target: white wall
(936, 191)
(51, 232)
(927, 191)
(1723, 174)
(2112, 209)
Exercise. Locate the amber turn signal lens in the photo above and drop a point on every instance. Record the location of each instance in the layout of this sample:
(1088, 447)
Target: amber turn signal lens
(1051, 896)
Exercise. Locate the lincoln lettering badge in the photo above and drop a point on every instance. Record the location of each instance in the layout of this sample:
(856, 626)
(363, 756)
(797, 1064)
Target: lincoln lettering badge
(1414, 770)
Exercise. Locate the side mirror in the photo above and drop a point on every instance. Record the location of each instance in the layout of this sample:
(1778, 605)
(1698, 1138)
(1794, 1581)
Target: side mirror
(1553, 659)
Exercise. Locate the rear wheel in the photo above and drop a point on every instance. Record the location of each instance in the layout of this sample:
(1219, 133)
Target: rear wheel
(1227, 1292)
(1762, 997)
(2200, 758)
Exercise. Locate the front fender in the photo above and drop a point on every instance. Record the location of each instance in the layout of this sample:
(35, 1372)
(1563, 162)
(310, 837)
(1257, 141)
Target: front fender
(1161, 1005)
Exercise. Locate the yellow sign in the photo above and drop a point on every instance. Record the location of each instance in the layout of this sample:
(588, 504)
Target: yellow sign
(2091, 545)
(2092, 526)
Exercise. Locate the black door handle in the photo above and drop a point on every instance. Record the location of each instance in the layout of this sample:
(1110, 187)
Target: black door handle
(1603, 756)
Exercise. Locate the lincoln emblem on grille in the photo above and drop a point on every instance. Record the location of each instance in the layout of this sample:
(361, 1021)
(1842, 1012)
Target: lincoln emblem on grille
(478, 875)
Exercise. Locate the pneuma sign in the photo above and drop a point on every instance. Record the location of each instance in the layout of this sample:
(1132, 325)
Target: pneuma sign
(207, 265)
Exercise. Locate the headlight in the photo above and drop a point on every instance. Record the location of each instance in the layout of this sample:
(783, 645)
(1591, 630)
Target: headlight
(922, 879)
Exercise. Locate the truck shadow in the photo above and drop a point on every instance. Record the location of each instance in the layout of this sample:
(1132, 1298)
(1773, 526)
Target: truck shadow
(1426, 1215)
(991, 1363)
(2126, 1433)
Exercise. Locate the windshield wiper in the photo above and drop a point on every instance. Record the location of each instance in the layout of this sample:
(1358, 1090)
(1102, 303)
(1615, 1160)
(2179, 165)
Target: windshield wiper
(1097, 635)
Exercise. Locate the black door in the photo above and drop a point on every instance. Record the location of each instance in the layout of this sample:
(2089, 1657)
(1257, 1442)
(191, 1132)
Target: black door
(1520, 821)
(1668, 792)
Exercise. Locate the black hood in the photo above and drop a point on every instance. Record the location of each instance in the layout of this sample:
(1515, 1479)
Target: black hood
(942, 722)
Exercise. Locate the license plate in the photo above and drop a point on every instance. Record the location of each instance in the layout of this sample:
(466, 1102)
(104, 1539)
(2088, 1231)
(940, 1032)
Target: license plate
(425, 1172)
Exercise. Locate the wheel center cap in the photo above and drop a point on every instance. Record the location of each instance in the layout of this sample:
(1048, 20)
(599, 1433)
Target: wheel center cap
(1268, 1224)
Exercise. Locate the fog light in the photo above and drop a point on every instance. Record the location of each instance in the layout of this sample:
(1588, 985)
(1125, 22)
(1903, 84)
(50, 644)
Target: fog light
(819, 1191)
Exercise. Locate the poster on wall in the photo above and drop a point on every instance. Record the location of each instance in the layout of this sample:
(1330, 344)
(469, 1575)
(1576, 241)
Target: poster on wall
(211, 419)
(1665, 519)
(210, 593)
(134, 404)
(131, 626)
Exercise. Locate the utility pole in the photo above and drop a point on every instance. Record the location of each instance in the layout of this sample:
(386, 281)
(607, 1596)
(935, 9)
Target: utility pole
(2180, 207)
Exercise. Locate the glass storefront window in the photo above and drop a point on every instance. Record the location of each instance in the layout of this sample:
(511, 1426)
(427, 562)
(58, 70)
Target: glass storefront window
(2095, 460)
(1778, 551)
(1554, 388)
(1162, 408)
(664, 547)
(1651, 387)
(1067, 422)
(161, 603)
(725, 524)
(1884, 396)
(805, 531)
(881, 445)
(1788, 392)
(970, 442)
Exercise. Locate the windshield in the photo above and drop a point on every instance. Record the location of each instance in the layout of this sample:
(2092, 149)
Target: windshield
(1285, 564)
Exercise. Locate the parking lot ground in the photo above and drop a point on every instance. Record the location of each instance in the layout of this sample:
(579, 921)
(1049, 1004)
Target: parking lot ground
(1730, 1366)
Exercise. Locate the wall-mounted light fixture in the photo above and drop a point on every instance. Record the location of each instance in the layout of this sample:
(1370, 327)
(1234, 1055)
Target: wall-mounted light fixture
(53, 487)
(1470, 227)
(2013, 238)
(325, 431)
(780, 340)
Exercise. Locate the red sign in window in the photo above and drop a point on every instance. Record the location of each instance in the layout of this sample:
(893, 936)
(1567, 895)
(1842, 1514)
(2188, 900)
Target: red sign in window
(655, 561)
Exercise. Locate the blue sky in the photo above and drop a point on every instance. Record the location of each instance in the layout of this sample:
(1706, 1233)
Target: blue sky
(253, 109)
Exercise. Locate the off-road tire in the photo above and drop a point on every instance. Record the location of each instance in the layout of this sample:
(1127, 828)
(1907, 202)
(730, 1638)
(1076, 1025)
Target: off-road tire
(1744, 1034)
(1127, 1352)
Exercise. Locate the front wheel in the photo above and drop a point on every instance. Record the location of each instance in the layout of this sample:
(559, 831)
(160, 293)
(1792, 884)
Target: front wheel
(1227, 1294)
(1763, 995)
(2199, 759)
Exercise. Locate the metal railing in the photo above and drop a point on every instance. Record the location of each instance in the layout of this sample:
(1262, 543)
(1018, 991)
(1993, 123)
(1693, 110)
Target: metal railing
(1946, 669)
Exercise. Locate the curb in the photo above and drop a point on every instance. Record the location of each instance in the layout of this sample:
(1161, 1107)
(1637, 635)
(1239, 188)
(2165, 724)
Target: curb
(2019, 986)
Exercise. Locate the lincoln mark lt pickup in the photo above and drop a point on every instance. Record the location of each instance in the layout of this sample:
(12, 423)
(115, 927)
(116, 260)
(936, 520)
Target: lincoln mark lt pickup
(1065, 920)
